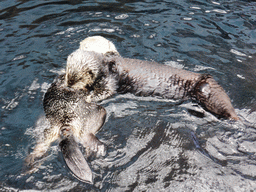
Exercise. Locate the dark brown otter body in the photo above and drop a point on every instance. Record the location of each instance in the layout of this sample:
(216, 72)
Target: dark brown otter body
(144, 78)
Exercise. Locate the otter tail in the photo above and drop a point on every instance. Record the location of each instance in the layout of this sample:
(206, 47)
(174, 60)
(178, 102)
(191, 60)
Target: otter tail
(75, 160)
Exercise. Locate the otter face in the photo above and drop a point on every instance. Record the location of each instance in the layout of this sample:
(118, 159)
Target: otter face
(79, 80)
(83, 67)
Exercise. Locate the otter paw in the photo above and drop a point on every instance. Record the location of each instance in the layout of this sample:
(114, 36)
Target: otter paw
(93, 146)
(29, 161)
(96, 150)
(30, 165)
(102, 150)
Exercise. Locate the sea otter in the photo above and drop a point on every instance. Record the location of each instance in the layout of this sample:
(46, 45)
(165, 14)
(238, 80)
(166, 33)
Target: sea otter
(72, 121)
(95, 72)
(143, 78)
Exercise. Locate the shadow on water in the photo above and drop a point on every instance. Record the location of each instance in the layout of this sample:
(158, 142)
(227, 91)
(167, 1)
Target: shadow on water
(153, 144)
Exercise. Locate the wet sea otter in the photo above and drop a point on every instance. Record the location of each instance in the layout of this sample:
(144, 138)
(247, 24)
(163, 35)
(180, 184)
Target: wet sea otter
(72, 121)
(143, 78)
(96, 71)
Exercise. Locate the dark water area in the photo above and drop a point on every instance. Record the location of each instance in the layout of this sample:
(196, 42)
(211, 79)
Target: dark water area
(153, 144)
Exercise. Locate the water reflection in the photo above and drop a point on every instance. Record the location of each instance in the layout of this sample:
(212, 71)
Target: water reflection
(153, 145)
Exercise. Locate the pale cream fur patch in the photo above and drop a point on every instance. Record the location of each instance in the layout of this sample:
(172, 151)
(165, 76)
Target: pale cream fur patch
(98, 44)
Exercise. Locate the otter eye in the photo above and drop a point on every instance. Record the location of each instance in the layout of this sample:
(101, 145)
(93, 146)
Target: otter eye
(71, 82)
(91, 73)
(80, 79)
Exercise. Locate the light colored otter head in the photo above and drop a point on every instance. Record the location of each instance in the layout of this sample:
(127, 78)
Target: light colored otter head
(98, 44)
(83, 67)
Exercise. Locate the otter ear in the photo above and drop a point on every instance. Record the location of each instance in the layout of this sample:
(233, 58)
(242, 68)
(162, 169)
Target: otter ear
(75, 160)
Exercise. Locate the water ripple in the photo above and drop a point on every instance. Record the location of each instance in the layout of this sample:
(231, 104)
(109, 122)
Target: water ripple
(153, 144)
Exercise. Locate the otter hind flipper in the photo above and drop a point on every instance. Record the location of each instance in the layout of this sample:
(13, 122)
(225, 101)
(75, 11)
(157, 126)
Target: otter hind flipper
(213, 97)
(93, 146)
(75, 160)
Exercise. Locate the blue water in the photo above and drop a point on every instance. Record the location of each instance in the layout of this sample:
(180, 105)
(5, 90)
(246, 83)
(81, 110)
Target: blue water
(153, 145)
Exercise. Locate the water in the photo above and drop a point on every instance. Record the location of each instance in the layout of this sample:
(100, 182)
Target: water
(153, 145)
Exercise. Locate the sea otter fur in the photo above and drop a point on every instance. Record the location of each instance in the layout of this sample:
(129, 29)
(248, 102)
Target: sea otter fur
(87, 71)
(145, 78)
(72, 121)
